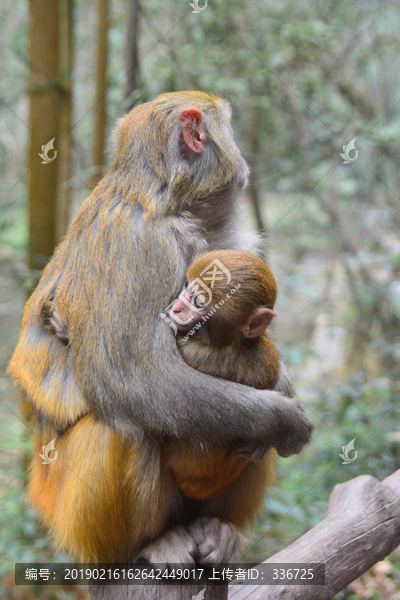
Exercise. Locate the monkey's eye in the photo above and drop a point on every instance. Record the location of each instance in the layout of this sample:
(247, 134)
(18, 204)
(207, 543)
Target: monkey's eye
(199, 301)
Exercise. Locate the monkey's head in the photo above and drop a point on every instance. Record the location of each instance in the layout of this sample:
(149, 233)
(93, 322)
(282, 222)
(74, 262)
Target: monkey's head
(231, 293)
(179, 151)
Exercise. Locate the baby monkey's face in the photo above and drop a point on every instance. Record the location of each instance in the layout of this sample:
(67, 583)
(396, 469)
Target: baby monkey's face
(195, 302)
(192, 304)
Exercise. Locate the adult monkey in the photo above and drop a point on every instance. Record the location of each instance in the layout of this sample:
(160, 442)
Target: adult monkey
(101, 371)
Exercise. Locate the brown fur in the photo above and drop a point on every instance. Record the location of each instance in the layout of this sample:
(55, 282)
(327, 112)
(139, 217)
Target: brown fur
(224, 352)
(100, 370)
(104, 497)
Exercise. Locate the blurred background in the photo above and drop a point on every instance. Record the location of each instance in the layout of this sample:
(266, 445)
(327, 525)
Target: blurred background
(305, 79)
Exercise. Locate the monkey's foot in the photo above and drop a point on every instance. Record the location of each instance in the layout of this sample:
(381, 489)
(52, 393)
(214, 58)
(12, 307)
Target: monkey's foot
(176, 546)
(217, 542)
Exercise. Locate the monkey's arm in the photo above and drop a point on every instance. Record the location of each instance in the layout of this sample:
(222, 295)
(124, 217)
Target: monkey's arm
(135, 373)
(122, 359)
(253, 448)
(284, 383)
(167, 397)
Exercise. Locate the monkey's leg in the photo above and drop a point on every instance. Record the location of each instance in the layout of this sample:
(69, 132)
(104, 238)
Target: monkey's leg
(216, 541)
(104, 497)
(176, 546)
(236, 506)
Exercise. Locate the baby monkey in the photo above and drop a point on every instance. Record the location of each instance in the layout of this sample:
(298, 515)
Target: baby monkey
(225, 309)
(221, 316)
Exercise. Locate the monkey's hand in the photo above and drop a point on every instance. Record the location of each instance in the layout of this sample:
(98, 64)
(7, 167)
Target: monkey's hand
(252, 449)
(217, 542)
(176, 546)
(293, 432)
(291, 429)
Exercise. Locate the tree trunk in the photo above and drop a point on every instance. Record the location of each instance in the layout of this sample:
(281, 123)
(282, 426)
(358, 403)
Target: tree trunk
(43, 121)
(132, 54)
(252, 143)
(101, 88)
(50, 119)
(64, 135)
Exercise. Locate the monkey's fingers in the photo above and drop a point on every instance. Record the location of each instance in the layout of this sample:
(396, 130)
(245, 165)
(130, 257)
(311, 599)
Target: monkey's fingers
(217, 542)
(176, 546)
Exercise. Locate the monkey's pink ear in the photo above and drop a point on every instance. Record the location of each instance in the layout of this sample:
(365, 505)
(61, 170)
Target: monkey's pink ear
(192, 127)
(258, 322)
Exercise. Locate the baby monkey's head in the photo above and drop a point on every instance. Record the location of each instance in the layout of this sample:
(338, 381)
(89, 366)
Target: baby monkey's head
(231, 292)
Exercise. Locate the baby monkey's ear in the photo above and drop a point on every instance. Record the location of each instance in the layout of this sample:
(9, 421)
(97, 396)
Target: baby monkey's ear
(258, 322)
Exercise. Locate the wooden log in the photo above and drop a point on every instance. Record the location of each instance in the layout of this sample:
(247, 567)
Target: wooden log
(361, 528)
(158, 592)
